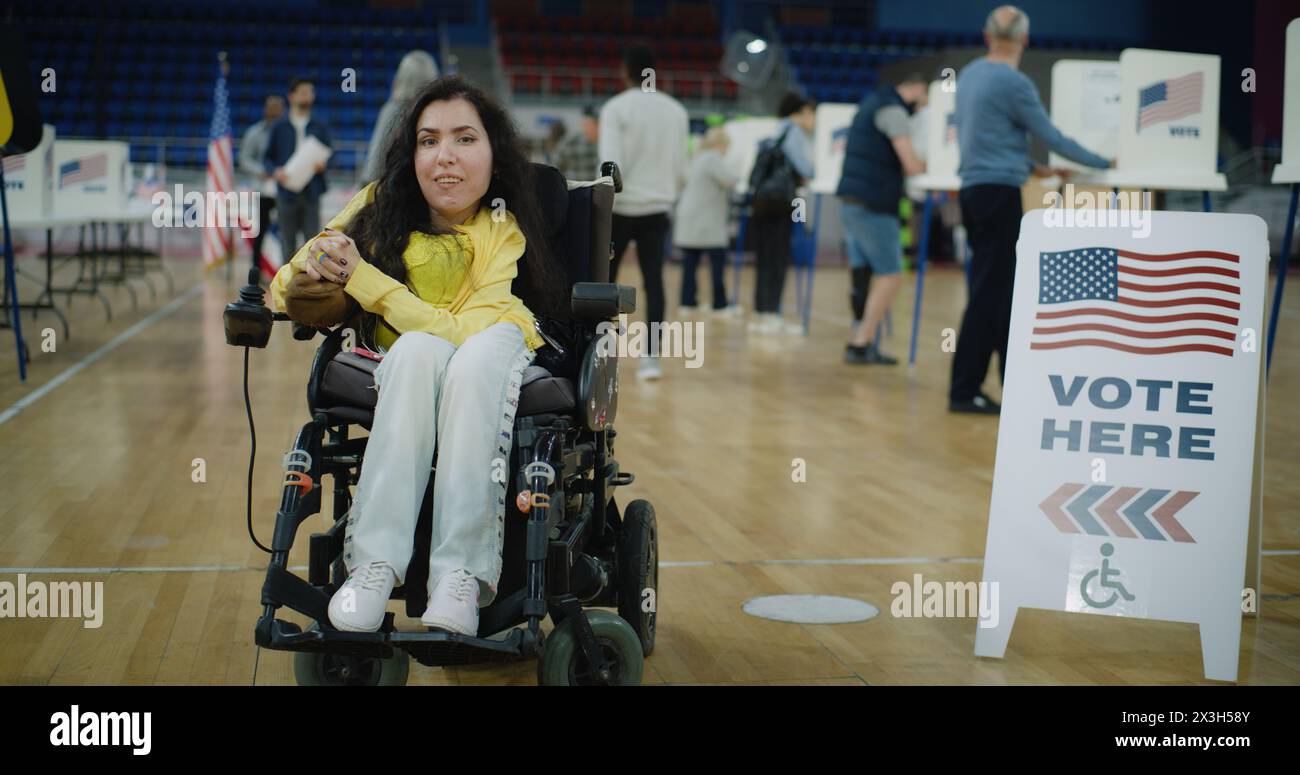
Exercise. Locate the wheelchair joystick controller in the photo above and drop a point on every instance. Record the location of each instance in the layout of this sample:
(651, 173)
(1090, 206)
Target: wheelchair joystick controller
(248, 321)
(611, 169)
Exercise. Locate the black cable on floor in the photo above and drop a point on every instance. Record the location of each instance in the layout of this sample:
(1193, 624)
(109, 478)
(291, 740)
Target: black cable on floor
(252, 455)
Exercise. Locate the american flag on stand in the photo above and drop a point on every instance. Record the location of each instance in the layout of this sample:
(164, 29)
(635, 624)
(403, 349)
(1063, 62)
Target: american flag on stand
(1147, 304)
(217, 241)
(1170, 100)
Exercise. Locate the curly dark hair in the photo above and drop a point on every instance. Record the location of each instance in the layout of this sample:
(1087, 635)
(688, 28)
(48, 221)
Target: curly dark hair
(382, 228)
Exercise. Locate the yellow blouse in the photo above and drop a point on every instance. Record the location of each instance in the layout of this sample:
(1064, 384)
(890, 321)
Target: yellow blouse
(457, 284)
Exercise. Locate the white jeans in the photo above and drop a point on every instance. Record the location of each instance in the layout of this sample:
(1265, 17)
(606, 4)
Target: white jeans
(462, 399)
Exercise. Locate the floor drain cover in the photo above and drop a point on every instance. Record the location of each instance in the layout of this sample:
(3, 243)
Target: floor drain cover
(810, 609)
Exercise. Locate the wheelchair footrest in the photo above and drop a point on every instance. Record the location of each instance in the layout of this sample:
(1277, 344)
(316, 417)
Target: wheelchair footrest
(434, 648)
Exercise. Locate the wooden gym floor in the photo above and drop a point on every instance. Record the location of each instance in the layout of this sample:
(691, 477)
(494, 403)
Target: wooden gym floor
(95, 472)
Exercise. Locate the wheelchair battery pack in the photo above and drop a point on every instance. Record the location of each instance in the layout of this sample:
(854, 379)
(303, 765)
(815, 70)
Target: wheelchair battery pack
(349, 379)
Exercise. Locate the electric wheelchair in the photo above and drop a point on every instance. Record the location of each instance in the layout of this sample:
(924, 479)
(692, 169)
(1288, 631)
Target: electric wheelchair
(568, 550)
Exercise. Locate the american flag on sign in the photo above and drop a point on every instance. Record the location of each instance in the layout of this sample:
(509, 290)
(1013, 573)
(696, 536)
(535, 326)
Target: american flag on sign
(14, 163)
(950, 129)
(1147, 304)
(83, 170)
(1170, 100)
(217, 241)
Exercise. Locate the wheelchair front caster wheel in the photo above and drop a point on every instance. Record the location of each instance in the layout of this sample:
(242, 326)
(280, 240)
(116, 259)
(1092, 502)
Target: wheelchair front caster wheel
(312, 668)
(562, 662)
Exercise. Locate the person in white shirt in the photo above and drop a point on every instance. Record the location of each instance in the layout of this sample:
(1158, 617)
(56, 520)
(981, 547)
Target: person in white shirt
(645, 132)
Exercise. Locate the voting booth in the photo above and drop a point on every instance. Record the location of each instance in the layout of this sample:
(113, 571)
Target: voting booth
(830, 136)
(29, 179)
(1127, 480)
(90, 176)
(1086, 107)
(942, 154)
(942, 159)
(1289, 170)
(1168, 122)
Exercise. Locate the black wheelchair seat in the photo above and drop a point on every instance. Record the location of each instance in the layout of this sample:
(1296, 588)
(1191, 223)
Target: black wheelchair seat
(540, 393)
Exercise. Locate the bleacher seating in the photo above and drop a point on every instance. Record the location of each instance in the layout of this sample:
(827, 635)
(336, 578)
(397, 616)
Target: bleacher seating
(145, 71)
(128, 70)
(577, 55)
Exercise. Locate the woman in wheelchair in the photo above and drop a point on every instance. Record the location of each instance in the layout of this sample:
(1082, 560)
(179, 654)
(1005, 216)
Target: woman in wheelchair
(430, 252)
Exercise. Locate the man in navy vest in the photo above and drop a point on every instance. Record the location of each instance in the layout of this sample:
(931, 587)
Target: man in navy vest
(876, 158)
(299, 210)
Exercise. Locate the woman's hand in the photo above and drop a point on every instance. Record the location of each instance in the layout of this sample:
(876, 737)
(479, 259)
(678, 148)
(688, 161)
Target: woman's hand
(334, 257)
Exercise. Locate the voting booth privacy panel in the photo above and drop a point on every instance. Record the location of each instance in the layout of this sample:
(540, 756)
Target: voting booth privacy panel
(938, 149)
(1127, 448)
(29, 179)
(90, 176)
(830, 137)
(1289, 170)
(1085, 106)
(1169, 114)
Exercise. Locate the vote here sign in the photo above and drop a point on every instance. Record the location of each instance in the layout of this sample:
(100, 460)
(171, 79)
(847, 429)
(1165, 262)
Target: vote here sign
(1126, 446)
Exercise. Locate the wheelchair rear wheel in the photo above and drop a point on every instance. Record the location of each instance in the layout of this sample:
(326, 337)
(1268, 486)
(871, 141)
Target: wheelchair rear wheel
(313, 668)
(562, 662)
(638, 571)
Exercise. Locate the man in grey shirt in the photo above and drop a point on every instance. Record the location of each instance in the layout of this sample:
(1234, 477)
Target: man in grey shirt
(997, 108)
(252, 148)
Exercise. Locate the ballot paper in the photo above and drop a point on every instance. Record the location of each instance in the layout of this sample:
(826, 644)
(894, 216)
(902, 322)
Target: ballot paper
(301, 167)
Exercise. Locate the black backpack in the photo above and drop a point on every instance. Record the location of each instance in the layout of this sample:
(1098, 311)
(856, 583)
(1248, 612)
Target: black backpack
(774, 180)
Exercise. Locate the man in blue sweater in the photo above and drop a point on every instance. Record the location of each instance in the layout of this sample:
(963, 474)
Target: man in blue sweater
(299, 210)
(997, 108)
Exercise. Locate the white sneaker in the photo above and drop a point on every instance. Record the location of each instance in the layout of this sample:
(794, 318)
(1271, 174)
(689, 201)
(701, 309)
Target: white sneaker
(649, 369)
(794, 329)
(360, 603)
(688, 309)
(453, 606)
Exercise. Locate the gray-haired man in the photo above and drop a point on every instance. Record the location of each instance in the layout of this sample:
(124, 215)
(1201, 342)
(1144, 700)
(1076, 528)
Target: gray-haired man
(997, 109)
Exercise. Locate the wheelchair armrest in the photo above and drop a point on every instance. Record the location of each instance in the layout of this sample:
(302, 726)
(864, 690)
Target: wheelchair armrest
(602, 301)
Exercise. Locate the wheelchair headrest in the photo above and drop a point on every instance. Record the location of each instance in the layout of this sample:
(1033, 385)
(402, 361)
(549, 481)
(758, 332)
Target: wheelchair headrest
(552, 198)
(577, 223)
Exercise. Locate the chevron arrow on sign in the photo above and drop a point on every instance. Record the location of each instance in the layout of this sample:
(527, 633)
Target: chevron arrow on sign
(1119, 512)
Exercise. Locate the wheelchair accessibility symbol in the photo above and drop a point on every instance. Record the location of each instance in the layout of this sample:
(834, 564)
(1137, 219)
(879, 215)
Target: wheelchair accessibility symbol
(1105, 572)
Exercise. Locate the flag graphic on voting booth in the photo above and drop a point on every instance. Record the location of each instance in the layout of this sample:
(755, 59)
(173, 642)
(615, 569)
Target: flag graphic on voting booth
(1171, 99)
(1127, 479)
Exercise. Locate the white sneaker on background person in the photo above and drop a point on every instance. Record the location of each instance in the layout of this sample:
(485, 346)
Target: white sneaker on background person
(649, 368)
(453, 606)
(687, 309)
(764, 323)
(360, 603)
